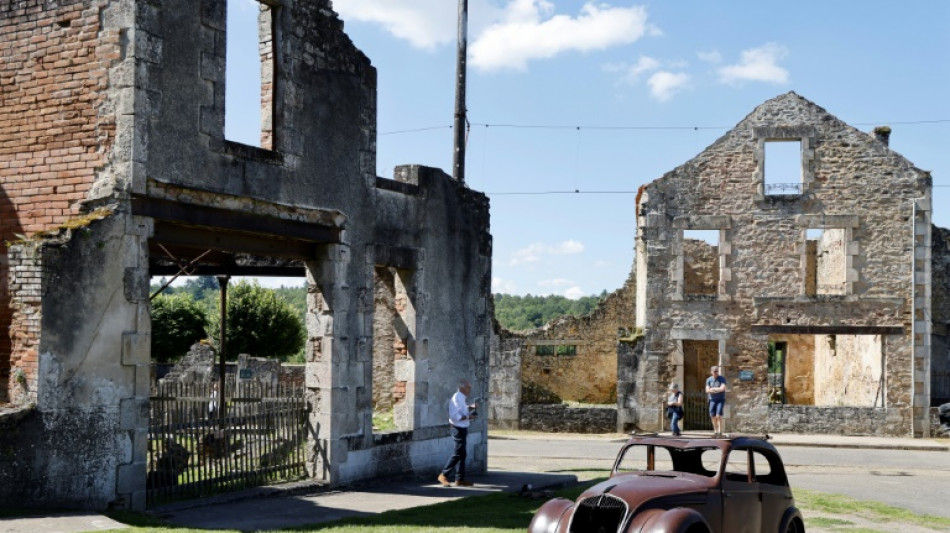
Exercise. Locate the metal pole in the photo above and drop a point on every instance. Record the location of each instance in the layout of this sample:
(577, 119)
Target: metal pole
(222, 369)
(458, 159)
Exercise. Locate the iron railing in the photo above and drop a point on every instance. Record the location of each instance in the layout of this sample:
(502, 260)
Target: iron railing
(196, 449)
(696, 412)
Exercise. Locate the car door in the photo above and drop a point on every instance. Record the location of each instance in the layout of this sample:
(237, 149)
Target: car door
(741, 506)
(776, 496)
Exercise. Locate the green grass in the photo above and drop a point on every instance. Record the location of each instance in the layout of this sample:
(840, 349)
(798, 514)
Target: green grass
(836, 504)
(384, 421)
(505, 512)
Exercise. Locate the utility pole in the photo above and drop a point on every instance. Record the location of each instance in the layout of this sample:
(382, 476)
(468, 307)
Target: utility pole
(461, 121)
(222, 366)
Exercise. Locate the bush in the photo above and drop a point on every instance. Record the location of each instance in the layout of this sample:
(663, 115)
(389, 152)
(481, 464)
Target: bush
(259, 324)
(178, 321)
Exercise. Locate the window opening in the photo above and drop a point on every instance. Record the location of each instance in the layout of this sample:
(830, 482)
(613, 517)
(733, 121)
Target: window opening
(825, 262)
(827, 370)
(392, 362)
(776, 371)
(782, 172)
(249, 74)
(701, 262)
(555, 349)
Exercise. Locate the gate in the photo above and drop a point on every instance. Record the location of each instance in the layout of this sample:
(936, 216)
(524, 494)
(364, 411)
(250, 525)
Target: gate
(196, 449)
(696, 415)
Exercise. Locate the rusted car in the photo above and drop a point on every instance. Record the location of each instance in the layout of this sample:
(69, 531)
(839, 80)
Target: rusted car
(734, 484)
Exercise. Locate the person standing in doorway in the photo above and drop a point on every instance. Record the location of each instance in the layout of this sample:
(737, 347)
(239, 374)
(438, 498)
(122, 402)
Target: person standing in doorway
(716, 390)
(461, 414)
(674, 408)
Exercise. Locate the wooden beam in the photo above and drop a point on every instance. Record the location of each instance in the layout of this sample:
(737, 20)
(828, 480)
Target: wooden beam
(235, 221)
(828, 330)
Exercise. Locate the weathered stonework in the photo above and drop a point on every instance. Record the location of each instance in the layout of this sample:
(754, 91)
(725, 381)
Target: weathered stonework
(861, 291)
(527, 367)
(119, 105)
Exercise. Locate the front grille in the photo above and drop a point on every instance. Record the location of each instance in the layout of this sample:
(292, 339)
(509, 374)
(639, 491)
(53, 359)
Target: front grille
(598, 514)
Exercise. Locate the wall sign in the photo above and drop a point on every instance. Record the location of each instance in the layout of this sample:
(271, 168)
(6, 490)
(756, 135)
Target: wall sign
(746, 375)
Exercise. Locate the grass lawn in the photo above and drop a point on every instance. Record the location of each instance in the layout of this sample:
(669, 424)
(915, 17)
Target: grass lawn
(506, 512)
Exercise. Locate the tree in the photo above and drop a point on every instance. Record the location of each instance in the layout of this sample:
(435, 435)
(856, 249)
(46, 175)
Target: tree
(259, 324)
(178, 321)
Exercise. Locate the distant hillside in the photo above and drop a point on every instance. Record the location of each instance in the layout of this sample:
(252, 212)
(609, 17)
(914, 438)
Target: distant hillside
(519, 313)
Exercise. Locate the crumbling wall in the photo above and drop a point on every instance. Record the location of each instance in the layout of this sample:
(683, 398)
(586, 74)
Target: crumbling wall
(83, 442)
(852, 186)
(700, 267)
(58, 125)
(589, 376)
(137, 123)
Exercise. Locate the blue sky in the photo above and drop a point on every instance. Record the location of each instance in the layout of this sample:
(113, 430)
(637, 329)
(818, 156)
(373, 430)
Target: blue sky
(602, 97)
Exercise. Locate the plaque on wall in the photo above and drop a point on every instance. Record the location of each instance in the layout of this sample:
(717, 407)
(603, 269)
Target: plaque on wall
(746, 375)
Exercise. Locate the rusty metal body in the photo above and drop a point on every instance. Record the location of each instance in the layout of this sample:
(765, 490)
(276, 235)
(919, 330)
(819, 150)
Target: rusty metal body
(686, 484)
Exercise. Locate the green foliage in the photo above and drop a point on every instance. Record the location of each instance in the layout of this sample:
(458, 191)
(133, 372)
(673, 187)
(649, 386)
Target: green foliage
(519, 313)
(259, 324)
(178, 321)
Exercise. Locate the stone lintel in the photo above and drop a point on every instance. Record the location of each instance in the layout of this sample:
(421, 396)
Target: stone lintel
(703, 222)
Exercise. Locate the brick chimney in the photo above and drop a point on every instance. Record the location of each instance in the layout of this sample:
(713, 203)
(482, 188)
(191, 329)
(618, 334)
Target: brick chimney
(883, 134)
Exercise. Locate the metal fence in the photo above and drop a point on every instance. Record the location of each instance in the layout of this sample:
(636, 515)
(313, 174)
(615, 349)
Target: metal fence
(198, 446)
(696, 412)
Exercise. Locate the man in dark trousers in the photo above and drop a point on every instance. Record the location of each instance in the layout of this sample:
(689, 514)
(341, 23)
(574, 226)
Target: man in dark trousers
(460, 416)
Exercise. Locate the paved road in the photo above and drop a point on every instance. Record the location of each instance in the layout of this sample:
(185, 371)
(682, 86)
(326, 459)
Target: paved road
(912, 479)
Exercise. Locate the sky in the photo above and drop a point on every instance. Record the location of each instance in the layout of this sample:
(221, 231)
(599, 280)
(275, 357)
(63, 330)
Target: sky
(574, 105)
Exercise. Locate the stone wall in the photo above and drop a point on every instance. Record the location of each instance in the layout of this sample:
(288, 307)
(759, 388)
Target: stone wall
(700, 267)
(829, 420)
(563, 419)
(883, 221)
(590, 376)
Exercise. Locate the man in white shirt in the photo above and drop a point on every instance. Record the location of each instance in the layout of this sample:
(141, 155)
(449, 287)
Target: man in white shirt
(460, 416)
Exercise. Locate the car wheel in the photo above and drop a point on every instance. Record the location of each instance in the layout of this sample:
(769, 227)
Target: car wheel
(794, 526)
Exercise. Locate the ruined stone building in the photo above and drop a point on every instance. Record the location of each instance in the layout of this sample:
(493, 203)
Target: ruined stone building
(819, 306)
(823, 294)
(114, 168)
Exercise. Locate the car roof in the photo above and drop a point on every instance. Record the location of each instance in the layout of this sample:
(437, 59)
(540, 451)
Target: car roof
(700, 440)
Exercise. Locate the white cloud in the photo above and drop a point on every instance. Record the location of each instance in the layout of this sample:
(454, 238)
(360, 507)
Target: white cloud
(534, 252)
(664, 84)
(559, 282)
(712, 56)
(574, 293)
(631, 73)
(424, 23)
(757, 64)
(602, 264)
(505, 286)
(529, 31)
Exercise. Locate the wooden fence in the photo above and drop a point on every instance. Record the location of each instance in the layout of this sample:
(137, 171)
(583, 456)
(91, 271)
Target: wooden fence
(198, 446)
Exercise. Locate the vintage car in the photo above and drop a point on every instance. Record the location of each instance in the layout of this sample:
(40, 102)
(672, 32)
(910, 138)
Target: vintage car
(685, 484)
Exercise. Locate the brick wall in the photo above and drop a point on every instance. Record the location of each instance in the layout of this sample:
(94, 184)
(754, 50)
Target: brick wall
(54, 127)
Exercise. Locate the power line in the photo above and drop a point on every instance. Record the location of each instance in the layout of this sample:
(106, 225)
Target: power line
(640, 128)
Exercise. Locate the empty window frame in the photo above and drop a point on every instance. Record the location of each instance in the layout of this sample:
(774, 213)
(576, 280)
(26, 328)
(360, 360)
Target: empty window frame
(555, 349)
(782, 172)
(249, 74)
(825, 262)
(393, 366)
(828, 370)
(701, 262)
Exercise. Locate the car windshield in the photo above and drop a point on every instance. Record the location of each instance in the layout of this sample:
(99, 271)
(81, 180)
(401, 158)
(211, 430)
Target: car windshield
(703, 461)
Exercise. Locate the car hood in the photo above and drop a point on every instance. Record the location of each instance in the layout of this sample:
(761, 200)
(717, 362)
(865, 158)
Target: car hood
(636, 489)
